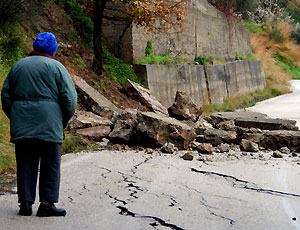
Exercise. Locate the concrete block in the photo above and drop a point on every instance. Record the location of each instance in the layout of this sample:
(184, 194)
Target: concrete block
(216, 79)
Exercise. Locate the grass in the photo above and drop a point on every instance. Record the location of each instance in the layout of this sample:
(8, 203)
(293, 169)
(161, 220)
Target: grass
(288, 65)
(74, 143)
(164, 59)
(243, 101)
(265, 48)
(253, 28)
(117, 69)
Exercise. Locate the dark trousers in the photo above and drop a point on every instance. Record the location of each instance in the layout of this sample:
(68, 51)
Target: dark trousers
(29, 153)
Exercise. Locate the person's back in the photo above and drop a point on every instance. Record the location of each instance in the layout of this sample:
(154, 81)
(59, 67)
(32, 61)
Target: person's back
(39, 97)
(38, 83)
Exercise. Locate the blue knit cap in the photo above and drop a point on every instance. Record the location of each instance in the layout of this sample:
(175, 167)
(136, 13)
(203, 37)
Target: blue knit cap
(45, 43)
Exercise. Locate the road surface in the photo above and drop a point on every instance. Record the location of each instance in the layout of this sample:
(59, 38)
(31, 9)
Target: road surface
(113, 190)
(286, 106)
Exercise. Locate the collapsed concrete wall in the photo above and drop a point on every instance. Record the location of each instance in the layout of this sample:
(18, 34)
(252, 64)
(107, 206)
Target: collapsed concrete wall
(207, 32)
(204, 84)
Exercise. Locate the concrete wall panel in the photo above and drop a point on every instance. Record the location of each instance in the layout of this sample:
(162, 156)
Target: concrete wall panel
(204, 84)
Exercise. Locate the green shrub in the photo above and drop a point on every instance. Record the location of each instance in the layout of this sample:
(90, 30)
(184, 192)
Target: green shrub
(295, 35)
(249, 57)
(11, 48)
(118, 69)
(276, 35)
(81, 20)
(202, 60)
(11, 11)
(148, 48)
(288, 65)
(253, 27)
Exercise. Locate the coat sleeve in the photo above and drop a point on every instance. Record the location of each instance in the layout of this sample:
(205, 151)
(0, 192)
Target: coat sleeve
(6, 95)
(67, 95)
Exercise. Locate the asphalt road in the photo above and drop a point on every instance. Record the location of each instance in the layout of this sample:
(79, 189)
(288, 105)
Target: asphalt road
(286, 106)
(136, 191)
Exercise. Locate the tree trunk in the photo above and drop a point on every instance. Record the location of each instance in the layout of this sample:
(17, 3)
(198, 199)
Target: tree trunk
(98, 52)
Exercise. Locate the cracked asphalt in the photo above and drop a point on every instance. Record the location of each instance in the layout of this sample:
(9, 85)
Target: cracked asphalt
(134, 190)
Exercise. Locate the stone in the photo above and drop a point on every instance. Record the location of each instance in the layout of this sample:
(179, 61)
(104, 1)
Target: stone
(183, 108)
(285, 150)
(249, 146)
(83, 119)
(125, 126)
(277, 139)
(154, 130)
(202, 125)
(217, 136)
(194, 144)
(148, 151)
(205, 148)
(143, 95)
(226, 125)
(200, 138)
(189, 156)
(294, 154)
(277, 154)
(94, 133)
(168, 148)
(224, 147)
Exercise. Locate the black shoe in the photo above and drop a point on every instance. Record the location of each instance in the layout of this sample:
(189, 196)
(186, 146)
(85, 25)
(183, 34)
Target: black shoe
(25, 208)
(50, 210)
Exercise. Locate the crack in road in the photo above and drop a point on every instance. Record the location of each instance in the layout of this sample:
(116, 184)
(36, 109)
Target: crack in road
(245, 184)
(135, 167)
(209, 207)
(125, 211)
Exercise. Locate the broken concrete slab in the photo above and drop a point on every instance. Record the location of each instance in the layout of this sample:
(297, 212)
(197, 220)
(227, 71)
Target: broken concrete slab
(252, 120)
(83, 119)
(93, 94)
(218, 136)
(143, 95)
(183, 108)
(155, 130)
(124, 128)
(95, 133)
(277, 139)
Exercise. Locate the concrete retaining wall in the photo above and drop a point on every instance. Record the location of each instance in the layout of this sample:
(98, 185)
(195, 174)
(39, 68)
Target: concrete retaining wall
(207, 32)
(205, 84)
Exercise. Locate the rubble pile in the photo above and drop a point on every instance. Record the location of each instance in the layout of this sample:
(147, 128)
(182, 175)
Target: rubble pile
(185, 128)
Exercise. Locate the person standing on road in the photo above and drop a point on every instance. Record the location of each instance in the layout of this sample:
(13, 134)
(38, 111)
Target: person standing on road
(39, 98)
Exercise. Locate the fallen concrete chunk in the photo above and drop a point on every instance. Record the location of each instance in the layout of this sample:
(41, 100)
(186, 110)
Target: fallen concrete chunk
(144, 96)
(218, 136)
(277, 139)
(83, 119)
(93, 95)
(201, 125)
(183, 108)
(95, 133)
(155, 130)
(253, 120)
(124, 128)
(205, 148)
(224, 147)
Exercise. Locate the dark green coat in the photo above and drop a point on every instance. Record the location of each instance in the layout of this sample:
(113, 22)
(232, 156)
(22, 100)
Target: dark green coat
(39, 97)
